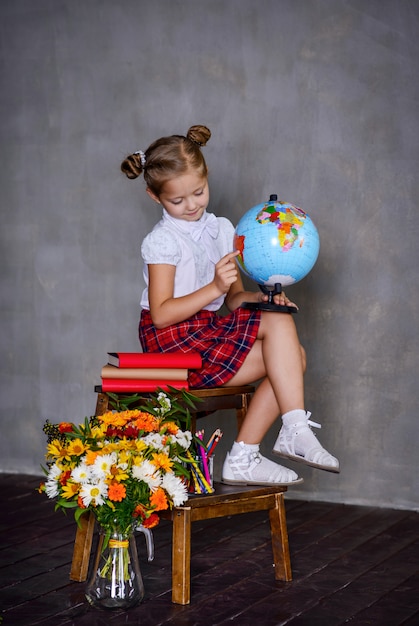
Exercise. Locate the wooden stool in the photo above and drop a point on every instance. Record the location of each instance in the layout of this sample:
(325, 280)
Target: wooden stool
(227, 500)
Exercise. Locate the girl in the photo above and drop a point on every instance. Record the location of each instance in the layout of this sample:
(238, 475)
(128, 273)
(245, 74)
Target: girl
(190, 271)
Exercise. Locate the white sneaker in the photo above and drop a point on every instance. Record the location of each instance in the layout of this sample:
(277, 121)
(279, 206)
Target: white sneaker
(297, 442)
(249, 467)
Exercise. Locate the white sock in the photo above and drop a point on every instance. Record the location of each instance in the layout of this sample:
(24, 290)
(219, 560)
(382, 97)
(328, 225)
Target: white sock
(305, 439)
(297, 415)
(239, 446)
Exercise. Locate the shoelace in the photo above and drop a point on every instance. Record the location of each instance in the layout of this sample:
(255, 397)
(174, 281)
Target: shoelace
(311, 423)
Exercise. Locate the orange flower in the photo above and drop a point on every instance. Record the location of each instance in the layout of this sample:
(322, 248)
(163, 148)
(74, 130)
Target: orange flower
(171, 427)
(152, 521)
(65, 427)
(64, 477)
(139, 511)
(146, 422)
(113, 419)
(90, 457)
(80, 503)
(116, 492)
(158, 500)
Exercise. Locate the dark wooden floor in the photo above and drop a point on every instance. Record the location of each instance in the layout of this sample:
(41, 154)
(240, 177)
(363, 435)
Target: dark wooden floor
(351, 564)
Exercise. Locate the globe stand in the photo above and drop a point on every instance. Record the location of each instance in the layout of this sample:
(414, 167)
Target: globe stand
(270, 304)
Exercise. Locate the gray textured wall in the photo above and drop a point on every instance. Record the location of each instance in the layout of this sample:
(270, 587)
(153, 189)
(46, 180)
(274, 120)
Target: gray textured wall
(316, 100)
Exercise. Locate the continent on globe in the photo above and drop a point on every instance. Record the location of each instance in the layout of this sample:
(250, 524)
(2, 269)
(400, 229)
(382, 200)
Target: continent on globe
(278, 245)
(286, 220)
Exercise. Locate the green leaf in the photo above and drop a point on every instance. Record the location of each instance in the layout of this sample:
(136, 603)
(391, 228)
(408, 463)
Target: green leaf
(66, 504)
(77, 515)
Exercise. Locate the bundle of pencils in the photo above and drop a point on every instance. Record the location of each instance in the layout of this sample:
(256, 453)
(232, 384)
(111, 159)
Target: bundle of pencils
(201, 480)
(212, 442)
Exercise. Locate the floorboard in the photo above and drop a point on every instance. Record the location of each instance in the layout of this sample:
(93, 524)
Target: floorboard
(351, 565)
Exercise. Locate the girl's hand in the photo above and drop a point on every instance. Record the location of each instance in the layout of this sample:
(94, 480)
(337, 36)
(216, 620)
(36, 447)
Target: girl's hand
(226, 272)
(279, 298)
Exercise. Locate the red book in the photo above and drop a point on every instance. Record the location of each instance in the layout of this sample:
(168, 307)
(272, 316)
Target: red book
(189, 360)
(134, 385)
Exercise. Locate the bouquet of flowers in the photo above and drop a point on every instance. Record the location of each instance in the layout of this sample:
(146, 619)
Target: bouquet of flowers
(125, 465)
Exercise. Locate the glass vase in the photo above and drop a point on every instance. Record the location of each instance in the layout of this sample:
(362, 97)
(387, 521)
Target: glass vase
(116, 581)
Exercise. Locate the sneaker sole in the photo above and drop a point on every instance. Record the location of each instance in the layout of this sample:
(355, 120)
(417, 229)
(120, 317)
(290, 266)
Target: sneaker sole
(301, 459)
(227, 481)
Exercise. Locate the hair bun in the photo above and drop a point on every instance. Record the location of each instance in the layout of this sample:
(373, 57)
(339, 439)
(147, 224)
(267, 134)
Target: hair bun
(199, 134)
(132, 166)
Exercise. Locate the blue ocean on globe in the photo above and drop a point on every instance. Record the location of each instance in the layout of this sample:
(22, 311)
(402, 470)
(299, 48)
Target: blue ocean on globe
(278, 243)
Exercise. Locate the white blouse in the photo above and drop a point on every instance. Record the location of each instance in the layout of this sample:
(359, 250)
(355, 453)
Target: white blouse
(193, 247)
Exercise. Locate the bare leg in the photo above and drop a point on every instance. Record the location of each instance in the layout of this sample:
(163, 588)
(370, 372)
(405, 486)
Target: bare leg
(278, 356)
(279, 359)
(262, 413)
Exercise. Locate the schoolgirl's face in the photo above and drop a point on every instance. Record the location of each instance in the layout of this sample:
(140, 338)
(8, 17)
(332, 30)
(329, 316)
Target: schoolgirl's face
(185, 197)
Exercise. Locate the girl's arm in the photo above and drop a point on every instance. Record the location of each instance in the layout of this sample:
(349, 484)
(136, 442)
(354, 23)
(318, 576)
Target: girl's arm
(237, 295)
(166, 310)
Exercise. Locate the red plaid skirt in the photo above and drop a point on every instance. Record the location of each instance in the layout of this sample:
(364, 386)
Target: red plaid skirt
(222, 341)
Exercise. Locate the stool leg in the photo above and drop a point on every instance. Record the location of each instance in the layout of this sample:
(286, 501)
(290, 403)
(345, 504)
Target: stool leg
(181, 556)
(102, 403)
(84, 533)
(280, 546)
(82, 547)
(241, 413)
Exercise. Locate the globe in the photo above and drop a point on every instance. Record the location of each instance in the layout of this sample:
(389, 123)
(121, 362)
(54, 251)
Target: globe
(278, 245)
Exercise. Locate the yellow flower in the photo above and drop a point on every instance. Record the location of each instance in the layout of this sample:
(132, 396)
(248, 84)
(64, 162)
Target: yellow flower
(122, 444)
(111, 446)
(56, 450)
(70, 489)
(98, 432)
(139, 445)
(117, 473)
(124, 456)
(76, 447)
(162, 461)
(125, 444)
(108, 448)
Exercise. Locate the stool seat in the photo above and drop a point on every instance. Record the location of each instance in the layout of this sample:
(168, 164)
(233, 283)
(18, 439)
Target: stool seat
(210, 400)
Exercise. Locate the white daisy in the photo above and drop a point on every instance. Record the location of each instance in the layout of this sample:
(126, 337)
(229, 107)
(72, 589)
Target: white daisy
(82, 473)
(184, 438)
(155, 441)
(147, 472)
(102, 465)
(51, 484)
(94, 493)
(54, 472)
(176, 488)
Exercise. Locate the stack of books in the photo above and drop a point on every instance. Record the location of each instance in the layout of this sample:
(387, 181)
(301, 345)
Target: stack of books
(148, 371)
